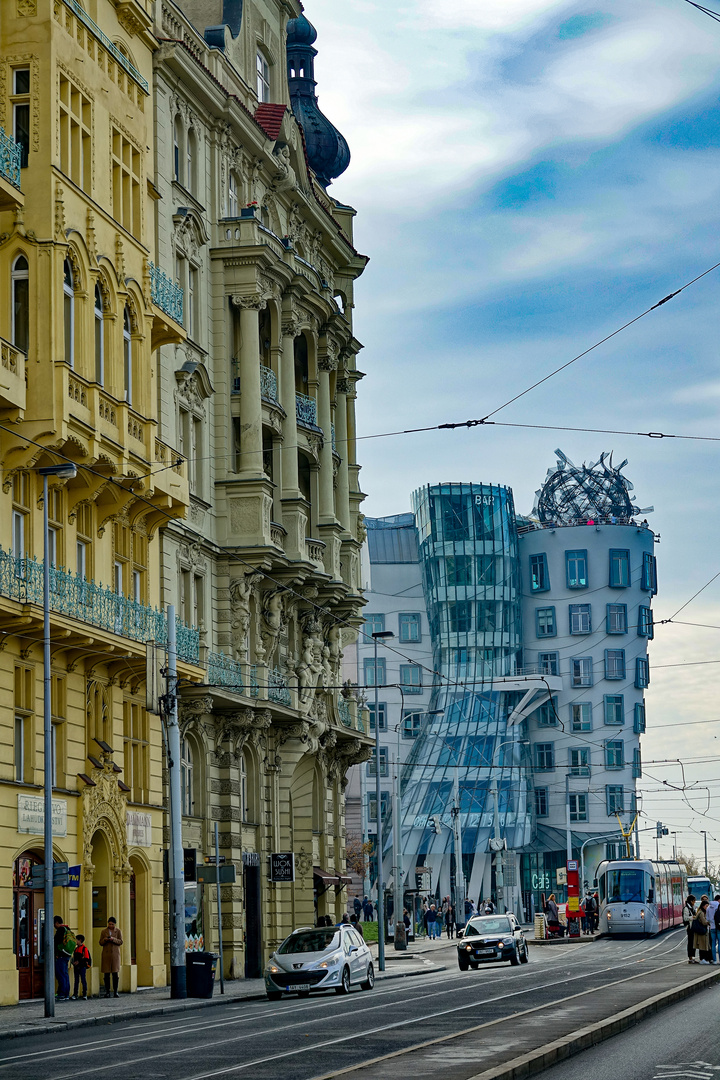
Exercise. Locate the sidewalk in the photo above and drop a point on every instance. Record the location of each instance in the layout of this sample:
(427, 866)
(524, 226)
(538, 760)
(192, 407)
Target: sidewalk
(28, 1017)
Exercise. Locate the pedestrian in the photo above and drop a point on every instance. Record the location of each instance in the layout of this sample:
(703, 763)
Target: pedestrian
(553, 916)
(688, 915)
(712, 914)
(590, 912)
(111, 939)
(583, 915)
(357, 906)
(358, 925)
(368, 914)
(64, 946)
(81, 963)
(701, 932)
(450, 921)
(433, 926)
(488, 907)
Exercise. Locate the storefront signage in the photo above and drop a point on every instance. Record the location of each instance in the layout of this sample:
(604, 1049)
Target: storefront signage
(74, 877)
(139, 829)
(282, 866)
(31, 815)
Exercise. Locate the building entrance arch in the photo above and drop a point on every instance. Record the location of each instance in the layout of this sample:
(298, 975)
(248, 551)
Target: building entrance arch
(28, 923)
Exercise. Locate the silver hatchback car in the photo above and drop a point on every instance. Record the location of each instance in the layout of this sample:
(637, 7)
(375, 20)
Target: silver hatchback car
(320, 958)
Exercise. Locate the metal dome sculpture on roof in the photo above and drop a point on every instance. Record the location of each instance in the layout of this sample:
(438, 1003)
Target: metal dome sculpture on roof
(575, 494)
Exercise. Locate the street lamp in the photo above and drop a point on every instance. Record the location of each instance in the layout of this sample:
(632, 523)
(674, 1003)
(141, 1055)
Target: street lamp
(379, 634)
(704, 832)
(66, 471)
(496, 843)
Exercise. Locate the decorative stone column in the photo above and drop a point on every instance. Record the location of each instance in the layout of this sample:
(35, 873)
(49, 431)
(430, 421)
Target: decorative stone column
(289, 452)
(326, 508)
(251, 459)
(344, 387)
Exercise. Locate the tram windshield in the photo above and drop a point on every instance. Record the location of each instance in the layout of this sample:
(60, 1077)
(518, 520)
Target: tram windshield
(625, 886)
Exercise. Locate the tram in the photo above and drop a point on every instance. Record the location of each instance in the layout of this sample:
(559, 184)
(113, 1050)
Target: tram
(639, 896)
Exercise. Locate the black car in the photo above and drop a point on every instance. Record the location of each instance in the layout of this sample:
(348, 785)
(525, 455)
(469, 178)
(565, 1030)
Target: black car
(491, 938)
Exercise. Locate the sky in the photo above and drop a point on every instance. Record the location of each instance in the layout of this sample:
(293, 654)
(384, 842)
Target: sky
(529, 175)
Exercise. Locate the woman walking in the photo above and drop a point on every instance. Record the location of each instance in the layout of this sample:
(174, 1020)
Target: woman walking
(701, 932)
(111, 939)
(688, 917)
(450, 920)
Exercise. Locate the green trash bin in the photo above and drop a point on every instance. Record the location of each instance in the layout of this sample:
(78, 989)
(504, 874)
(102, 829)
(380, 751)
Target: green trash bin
(200, 970)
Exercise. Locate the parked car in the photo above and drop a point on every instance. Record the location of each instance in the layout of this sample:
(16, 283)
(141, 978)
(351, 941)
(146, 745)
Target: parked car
(488, 938)
(319, 958)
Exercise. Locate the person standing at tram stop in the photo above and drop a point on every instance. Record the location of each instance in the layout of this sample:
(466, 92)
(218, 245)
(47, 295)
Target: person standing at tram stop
(701, 932)
(714, 919)
(61, 944)
(110, 940)
(688, 915)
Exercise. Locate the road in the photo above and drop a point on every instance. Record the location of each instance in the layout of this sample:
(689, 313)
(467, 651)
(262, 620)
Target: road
(683, 1042)
(468, 1018)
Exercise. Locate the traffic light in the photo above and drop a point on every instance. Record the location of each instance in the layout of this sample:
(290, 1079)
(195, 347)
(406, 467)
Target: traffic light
(659, 830)
(436, 823)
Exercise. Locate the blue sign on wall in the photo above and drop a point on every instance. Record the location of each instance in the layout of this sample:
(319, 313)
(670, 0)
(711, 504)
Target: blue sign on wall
(74, 877)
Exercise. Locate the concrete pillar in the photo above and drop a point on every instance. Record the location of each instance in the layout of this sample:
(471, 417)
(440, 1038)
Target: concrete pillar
(326, 508)
(289, 452)
(341, 434)
(251, 462)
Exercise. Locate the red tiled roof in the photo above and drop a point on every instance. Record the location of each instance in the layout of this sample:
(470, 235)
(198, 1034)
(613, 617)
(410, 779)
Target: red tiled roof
(270, 117)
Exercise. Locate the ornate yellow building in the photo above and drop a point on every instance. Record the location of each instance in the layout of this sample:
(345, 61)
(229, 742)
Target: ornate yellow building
(177, 322)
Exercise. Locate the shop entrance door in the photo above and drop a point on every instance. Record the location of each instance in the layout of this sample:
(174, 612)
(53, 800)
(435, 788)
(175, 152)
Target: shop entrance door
(28, 923)
(253, 933)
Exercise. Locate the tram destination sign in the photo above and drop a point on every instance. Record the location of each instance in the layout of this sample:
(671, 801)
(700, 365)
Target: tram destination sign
(282, 866)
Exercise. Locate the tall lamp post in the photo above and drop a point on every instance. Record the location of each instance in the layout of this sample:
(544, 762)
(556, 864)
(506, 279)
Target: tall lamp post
(496, 844)
(704, 832)
(378, 635)
(65, 471)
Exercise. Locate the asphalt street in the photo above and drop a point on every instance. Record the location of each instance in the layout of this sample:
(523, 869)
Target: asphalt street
(301, 1039)
(682, 1042)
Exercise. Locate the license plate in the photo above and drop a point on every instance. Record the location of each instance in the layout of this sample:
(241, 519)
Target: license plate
(485, 952)
(300, 986)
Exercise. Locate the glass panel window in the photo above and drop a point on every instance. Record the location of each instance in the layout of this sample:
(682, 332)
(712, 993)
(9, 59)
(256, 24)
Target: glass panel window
(637, 764)
(539, 577)
(369, 671)
(478, 751)
(486, 570)
(374, 623)
(616, 619)
(614, 663)
(614, 754)
(20, 323)
(645, 622)
(411, 678)
(541, 802)
(619, 568)
(576, 569)
(460, 615)
(409, 626)
(544, 756)
(581, 716)
(642, 672)
(382, 712)
(580, 619)
(127, 355)
(545, 622)
(21, 724)
(581, 671)
(489, 616)
(263, 78)
(186, 779)
(548, 663)
(578, 806)
(615, 799)
(579, 761)
(372, 805)
(649, 574)
(69, 312)
(547, 713)
(383, 763)
(639, 718)
(458, 569)
(411, 722)
(21, 112)
(614, 709)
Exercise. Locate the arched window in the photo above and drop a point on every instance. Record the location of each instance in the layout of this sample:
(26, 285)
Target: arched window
(190, 161)
(127, 354)
(21, 304)
(99, 337)
(243, 788)
(177, 143)
(69, 312)
(186, 779)
(263, 78)
(232, 196)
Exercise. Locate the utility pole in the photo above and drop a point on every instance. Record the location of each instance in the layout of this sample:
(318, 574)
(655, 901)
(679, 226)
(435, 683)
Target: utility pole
(704, 832)
(397, 848)
(178, 980)
(568, 831)
(457, 844)
(378, 808)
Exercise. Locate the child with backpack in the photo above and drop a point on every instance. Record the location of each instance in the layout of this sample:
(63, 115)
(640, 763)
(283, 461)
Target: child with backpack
(81, 962)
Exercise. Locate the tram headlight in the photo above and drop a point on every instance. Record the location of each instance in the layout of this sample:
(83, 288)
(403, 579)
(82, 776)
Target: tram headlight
(642, 914)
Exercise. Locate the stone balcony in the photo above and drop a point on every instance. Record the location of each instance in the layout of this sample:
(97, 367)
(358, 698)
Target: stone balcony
(13, 386)
(11, 197)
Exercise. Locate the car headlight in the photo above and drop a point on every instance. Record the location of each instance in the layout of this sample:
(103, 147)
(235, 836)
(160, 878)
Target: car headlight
(468, 948)
(272, 970)
(331, 961)
(508, 941)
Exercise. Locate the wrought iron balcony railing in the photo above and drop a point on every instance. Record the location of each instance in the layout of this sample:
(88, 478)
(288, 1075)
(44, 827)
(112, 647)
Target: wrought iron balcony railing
(166, 293)
(306, 410)
(268, 383)
(222, 670)
(344, 712)
(74, 596)
(275, 689)
(10, 158)
(117, 56)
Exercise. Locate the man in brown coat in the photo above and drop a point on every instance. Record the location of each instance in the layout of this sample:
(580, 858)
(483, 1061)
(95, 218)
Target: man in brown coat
(111, 939)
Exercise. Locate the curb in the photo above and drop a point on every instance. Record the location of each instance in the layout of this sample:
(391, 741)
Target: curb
(59, 1026)
(582, 940)
(562, 1049)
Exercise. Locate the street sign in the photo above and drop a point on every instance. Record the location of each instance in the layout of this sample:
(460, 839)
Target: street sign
(207, 875)
(60, 876)
(210, 860)
(423, 870)
(282, 866)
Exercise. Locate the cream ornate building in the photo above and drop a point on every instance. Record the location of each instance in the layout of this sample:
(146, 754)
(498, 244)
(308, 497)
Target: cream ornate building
(259, 398)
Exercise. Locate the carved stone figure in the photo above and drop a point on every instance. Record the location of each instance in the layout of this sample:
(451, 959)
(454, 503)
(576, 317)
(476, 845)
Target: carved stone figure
(285, 178)
(240, 593)
(273, 620)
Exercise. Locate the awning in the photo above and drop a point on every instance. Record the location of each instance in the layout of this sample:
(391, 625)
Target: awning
(339, 881)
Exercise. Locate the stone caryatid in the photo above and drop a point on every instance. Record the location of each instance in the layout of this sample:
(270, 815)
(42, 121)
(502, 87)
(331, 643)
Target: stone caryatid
(241, 589)
(273, 620)
(310, 669)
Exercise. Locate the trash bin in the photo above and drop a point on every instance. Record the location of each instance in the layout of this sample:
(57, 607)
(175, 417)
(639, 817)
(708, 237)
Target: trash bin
(200, 968)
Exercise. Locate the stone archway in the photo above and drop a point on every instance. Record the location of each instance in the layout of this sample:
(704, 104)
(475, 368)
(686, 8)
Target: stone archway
(139, 927)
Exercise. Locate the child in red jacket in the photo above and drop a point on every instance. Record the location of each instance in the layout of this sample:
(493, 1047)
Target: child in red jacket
(81, 961)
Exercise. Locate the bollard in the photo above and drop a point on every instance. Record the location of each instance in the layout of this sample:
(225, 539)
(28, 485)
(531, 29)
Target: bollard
(400, 936)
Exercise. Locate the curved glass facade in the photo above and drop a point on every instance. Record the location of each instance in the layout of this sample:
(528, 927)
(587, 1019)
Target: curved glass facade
(471, 580)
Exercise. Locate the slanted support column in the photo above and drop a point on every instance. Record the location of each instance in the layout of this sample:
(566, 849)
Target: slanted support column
(289, 452)
(344, 387)
(251, 459)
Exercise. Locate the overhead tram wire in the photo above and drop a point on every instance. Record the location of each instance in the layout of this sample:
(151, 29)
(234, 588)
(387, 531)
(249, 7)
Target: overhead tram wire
(713, 14)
